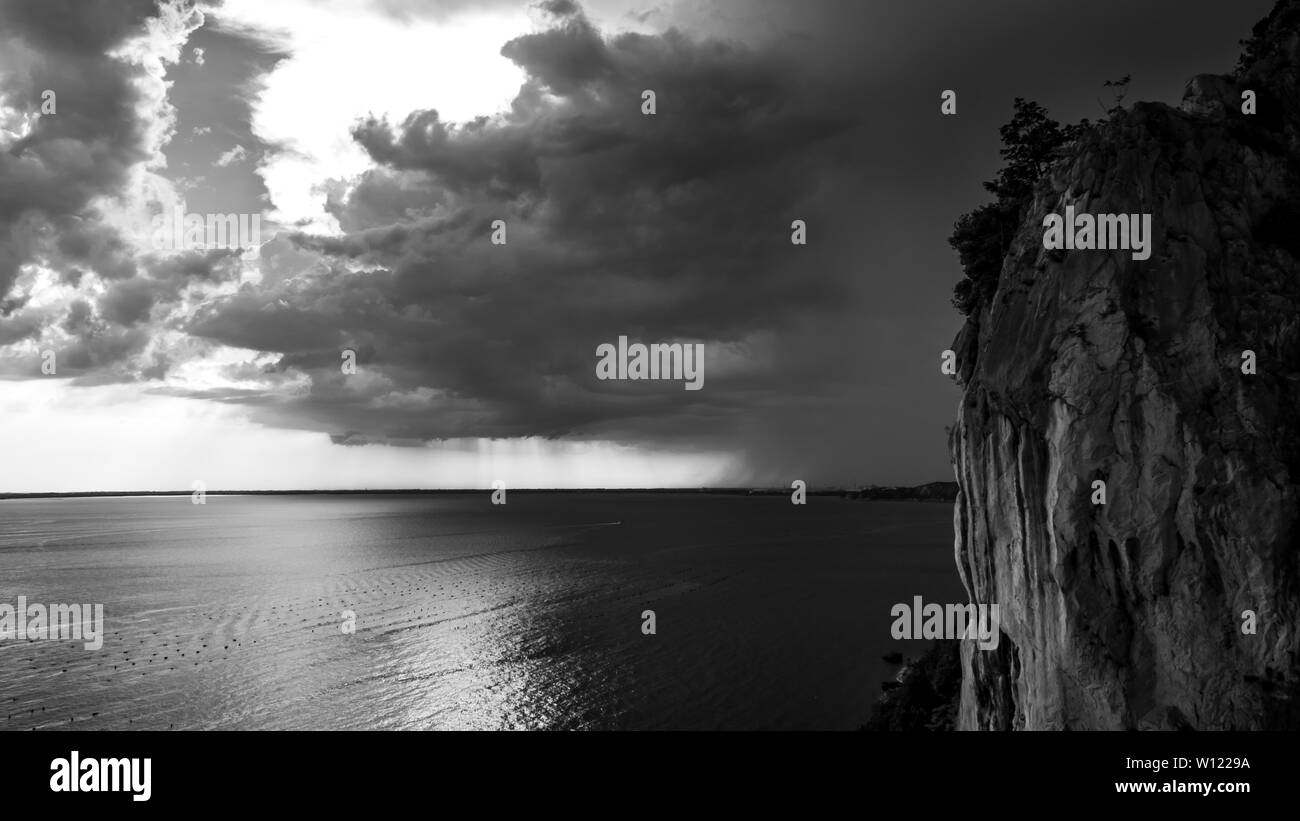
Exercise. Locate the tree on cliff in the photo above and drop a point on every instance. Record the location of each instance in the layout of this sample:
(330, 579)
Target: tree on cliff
(1283, 16)
(1029, 143)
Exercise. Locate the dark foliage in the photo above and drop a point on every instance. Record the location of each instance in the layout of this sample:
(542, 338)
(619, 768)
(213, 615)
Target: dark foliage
(928, 695)
(1030, 142)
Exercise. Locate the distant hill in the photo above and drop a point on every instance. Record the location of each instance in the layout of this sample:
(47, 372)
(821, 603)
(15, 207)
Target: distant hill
(933, 492)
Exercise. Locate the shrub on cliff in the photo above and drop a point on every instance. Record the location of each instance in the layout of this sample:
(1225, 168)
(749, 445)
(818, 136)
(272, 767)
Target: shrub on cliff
(1285, 15)
(1030, 141)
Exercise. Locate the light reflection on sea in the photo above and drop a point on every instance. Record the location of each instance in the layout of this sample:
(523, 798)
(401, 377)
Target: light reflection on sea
(468, 616)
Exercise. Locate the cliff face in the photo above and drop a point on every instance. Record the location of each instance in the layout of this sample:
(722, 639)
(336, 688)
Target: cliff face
(1090, 365)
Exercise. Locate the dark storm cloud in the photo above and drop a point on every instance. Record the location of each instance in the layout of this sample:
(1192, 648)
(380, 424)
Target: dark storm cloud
(83, 150)
(127, 303)
(820, 360)
(207, 266)
(130, 302)
(16, 328)
(560, 8)
(382, 197)
(50, 177)
(75, 28)
(82, 244)
(668, 227)
(100, 349)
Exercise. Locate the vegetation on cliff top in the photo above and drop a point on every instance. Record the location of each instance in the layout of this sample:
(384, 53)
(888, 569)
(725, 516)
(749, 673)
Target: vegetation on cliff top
(1030, 141)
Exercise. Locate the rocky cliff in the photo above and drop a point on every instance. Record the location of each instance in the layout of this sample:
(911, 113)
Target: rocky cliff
(1090, 365)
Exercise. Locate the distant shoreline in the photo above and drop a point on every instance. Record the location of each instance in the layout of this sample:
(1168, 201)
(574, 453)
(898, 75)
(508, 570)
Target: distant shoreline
(934, 491)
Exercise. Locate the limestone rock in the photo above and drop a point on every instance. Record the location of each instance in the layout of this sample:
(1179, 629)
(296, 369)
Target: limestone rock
(1090, 365)
(1211, 95)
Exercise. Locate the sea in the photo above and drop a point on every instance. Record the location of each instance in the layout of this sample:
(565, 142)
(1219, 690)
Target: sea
(565, 611)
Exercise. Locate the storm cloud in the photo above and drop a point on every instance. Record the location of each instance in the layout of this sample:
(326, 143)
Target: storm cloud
(85, 149)
(670, 226)
(820, 360)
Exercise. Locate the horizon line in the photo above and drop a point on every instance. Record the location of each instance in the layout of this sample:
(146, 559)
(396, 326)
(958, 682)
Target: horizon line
(828, 489)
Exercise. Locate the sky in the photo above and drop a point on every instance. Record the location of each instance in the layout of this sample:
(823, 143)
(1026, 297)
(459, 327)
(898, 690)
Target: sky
(378, 142)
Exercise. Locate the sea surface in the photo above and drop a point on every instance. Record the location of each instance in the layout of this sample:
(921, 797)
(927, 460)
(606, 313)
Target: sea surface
(468, 615)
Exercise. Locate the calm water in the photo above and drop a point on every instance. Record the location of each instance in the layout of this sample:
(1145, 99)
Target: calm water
(468, 615)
